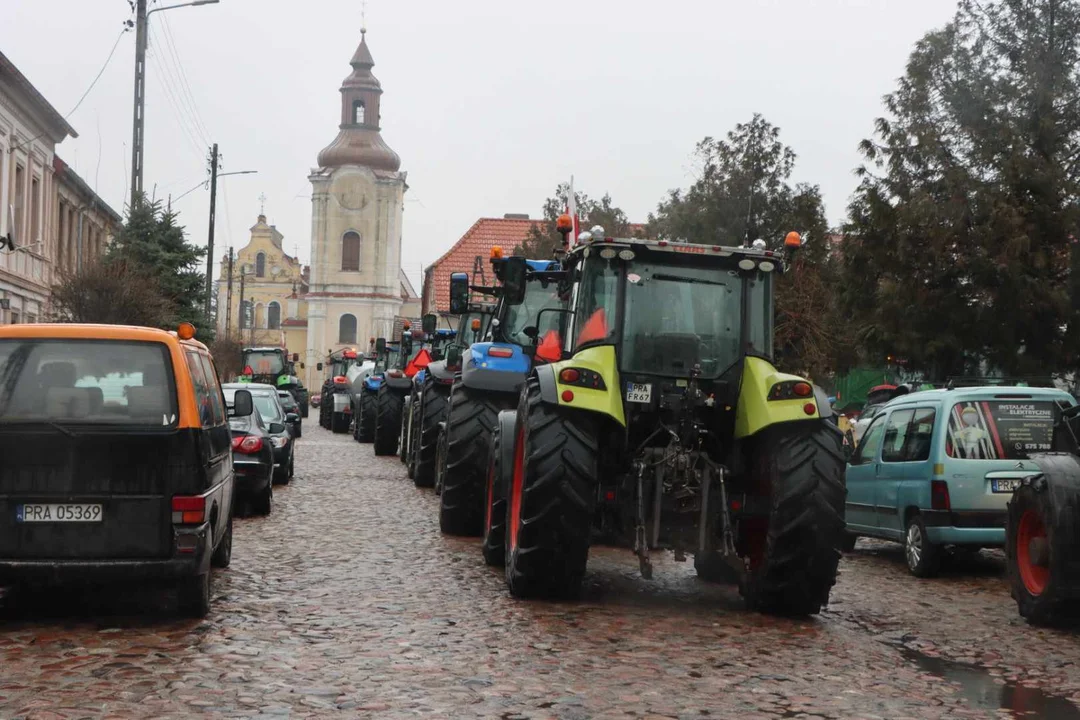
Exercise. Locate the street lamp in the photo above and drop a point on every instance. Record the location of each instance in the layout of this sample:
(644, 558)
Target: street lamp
(141, 16)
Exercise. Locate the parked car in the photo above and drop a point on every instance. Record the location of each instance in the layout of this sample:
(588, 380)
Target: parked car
(267, 405)
(858, 428)
(937, 468)
(253, 456)
(116, 463)
(291, 407)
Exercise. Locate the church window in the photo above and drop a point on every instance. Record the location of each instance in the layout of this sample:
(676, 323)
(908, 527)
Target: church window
(347, 329)
(260, 265)
(350, 252)
(358, 112)
(260, 316)
(273, 316)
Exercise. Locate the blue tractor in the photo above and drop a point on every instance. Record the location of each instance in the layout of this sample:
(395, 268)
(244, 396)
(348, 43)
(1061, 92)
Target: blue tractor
(430, 398)
(492, 373)
(366, 400)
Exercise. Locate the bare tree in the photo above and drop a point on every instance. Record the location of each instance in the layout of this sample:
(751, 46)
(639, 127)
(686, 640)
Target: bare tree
(112, 293)
(226, 353)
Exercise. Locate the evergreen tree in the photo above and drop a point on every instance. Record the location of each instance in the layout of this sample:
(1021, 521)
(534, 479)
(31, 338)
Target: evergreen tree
(742, 194)
(151, 239)
(958, 246)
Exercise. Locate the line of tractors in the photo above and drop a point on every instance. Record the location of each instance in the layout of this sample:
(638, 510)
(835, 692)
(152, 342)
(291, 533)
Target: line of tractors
(622, 393)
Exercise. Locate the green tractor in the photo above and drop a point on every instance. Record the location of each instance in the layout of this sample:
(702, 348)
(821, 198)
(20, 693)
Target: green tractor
(666, 427)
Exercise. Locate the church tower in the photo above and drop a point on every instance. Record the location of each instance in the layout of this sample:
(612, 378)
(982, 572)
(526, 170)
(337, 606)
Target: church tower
(357, 201)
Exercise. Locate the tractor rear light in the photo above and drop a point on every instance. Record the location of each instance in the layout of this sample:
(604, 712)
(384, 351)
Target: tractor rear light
(188, 510)
(393, 373)
(568, 395)
(609, 496)
(802, 389)
(809, 408)
(501, 352)
(569, 375)
(340, 380)
(939, 495)
(247, 444)
(736, 506)
(662, 243)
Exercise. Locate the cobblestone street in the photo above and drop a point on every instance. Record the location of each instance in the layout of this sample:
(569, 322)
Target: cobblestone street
(347, 601)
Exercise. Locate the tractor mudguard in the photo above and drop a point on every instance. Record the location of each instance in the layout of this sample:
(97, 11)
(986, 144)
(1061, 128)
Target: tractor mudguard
(372, 383)
(483, 371)
(755, 412)
(597, 360)
(824, 407)
(440, 372)
(400, 385)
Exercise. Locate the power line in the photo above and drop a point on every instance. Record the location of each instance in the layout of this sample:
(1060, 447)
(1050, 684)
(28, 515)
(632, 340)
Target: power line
(182, 121)
(85, 94)
(171, 85)
(185, 86)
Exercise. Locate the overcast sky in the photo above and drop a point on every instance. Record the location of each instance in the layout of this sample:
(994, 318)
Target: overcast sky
(489, 103)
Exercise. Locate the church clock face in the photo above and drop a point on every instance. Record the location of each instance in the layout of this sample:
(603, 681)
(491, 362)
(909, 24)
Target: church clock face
(275, 270)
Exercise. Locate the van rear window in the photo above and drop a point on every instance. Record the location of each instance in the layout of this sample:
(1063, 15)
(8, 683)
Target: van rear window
(1000, 430)
(66, 380)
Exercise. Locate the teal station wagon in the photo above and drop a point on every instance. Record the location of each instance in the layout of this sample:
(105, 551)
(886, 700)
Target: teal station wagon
(939, 467)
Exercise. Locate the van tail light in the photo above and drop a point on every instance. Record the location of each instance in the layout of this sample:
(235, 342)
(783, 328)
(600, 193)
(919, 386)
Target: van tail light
(188, 510)
(247, 444)
(500, 352)
(939, 495)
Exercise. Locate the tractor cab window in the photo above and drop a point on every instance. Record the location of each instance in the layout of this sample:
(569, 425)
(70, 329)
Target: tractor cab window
(537, 298)
(265, 363)
(597, 301)
(760, 315)
(679, 315)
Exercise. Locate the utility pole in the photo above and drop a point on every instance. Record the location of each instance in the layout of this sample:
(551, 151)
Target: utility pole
(228, 293)
(243, 314)
(140, 101)
(210, 235)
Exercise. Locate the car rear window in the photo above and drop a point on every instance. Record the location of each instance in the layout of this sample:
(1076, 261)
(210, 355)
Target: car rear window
(1000, 430)
(112, 382)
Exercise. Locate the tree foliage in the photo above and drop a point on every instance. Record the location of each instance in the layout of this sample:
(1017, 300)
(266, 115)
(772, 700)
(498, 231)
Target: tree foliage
(742, 193)
(958, 248)
(112, 293)
(544, 239)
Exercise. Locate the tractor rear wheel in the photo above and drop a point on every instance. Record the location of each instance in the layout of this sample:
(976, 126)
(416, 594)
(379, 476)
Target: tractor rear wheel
(1042, 541)
(551, 498)
(433, 404)
(365, 420)
(499, 476)
(468, 426)
(794, 556)
(387, 420)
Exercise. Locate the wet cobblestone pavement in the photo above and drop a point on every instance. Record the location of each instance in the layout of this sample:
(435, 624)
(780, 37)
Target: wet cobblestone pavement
(347, 602)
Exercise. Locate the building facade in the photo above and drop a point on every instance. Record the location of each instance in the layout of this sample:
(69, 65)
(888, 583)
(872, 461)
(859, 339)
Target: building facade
(54, 218)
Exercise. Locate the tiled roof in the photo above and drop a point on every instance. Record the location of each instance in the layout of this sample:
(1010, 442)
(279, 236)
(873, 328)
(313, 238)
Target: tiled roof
(294, 322)
(485, 234)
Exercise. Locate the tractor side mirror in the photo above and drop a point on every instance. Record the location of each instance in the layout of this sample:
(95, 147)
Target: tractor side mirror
(532, 332)
(380, 346)
(459, 293)
(453, 356)
(429, 323)
(513, 280)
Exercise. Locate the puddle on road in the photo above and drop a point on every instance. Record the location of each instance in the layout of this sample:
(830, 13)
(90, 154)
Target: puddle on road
(982, 692)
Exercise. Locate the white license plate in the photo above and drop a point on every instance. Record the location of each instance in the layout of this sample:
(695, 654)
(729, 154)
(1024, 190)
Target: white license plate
(1005, 485)
(35, 513)
(639, 392)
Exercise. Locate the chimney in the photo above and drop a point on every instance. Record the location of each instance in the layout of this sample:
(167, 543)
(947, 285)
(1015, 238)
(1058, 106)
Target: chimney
(516, 216)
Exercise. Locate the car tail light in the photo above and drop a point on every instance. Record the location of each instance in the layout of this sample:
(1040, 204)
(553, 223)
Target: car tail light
(501, 352)
(939, 495)
(188, 510)
(247, 444)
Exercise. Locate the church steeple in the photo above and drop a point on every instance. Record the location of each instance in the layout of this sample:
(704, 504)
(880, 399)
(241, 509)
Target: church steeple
(359, 142)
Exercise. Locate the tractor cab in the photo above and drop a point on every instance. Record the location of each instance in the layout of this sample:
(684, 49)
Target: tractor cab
(266, 364)
(335, 406)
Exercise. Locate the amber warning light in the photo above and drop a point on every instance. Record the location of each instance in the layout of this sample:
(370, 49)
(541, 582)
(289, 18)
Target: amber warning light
(496, 252)
(793, 240)
(185, 331)
(564, 224)
(476, 324)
